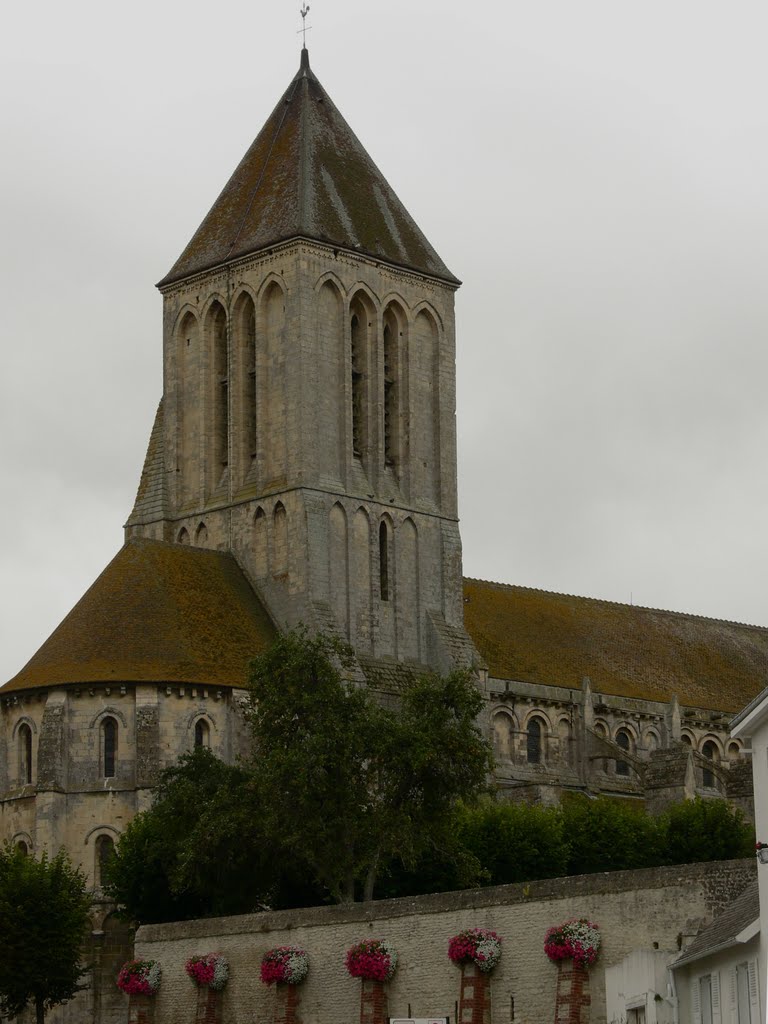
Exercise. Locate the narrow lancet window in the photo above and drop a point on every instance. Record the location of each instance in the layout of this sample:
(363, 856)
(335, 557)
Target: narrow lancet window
(533, 741)
(358, 379)
(25, 754)
(220, 389)
(623, 741)
(384, 561)
(390, 392)
(250, 377)
(109, 747)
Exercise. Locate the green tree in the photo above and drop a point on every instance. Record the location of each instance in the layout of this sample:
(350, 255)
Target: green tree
(348, 783)
(698, 830)
(610, 835)
(44, 916)
(200, 851)
(515, 842)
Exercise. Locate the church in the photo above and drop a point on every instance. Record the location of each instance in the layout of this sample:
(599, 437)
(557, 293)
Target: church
(302, 469)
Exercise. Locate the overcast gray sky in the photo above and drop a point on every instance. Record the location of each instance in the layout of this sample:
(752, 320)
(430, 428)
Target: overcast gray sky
(593, 170)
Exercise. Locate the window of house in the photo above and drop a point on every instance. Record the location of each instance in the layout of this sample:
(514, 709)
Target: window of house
(25, 754)
(109, 747)
(533, 741)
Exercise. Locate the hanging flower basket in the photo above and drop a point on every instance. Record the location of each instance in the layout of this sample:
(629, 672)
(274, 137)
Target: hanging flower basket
(209, 971)
(139, 977)
(372, 959)
(286, 964)
(479, 946)
(578, 940)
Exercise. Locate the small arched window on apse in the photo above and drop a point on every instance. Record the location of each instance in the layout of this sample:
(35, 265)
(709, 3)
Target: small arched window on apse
(202, 733)
(384, 561)
(183, 537)
(710, 751)
(734, 751)
(534, 745)
(105, 851)
(201, 536)
(22, 847)
(109, 747)
(25, 754)
(624, 741)
(502, 735)
(686, 739)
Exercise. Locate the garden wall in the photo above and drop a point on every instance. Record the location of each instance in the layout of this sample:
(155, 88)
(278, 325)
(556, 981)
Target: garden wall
(648, 909)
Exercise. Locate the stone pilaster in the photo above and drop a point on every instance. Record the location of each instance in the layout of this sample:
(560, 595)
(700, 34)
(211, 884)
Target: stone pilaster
(475, 997)
(373, 1002)
(286, 1004)
(573, 999)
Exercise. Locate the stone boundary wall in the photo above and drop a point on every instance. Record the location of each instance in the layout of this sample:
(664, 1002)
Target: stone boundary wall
(648, 909)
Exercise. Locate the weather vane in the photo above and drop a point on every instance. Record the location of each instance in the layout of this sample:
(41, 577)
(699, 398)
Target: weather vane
(304, 28)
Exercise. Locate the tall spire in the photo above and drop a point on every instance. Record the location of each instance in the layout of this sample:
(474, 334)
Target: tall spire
(307, 176)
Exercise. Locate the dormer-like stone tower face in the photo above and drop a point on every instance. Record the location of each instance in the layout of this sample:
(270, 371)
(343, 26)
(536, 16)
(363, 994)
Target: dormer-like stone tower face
(308, 417)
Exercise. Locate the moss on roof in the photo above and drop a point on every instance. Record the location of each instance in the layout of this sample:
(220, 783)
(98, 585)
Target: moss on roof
(159, 612)
(534, 636)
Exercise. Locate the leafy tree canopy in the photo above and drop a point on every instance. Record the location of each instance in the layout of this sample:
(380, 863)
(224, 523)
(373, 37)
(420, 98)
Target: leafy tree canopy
(44, 916)
(347, 782)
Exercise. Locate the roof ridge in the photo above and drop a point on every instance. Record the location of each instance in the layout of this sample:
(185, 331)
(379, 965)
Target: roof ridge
(617, 604)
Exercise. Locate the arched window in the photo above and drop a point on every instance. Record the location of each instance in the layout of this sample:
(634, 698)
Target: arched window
(391, 389)
(533, 741)
(709, 750)
(202, 733)
(219, 392)
(105, 850)
(25, 754)
(109, 747)
(201, 536)
(183, 537)
(686, 739)
(384, 560)
(623, 740)
(359, 331)
(22, 847)
(734, 751)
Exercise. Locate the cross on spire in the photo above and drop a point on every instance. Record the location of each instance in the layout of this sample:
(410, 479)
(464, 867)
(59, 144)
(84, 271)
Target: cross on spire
(304, 27)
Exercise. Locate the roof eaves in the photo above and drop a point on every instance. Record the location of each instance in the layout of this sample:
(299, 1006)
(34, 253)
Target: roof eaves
(734, 940)
(742, 720)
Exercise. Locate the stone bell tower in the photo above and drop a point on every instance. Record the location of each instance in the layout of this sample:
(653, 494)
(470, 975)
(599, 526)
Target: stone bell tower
(308, 417)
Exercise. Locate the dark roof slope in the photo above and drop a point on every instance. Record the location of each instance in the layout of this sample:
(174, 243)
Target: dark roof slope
(307, 175)
(158, 613)
(723, 931)
(534, 636)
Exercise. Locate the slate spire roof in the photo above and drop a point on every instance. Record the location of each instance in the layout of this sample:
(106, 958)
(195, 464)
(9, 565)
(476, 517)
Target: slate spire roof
(307, 175)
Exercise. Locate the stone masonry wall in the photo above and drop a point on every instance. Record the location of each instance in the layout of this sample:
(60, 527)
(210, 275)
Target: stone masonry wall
(635, 909)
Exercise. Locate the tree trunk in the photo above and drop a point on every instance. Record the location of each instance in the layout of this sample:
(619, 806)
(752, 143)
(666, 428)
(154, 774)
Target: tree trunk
(370, 880)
